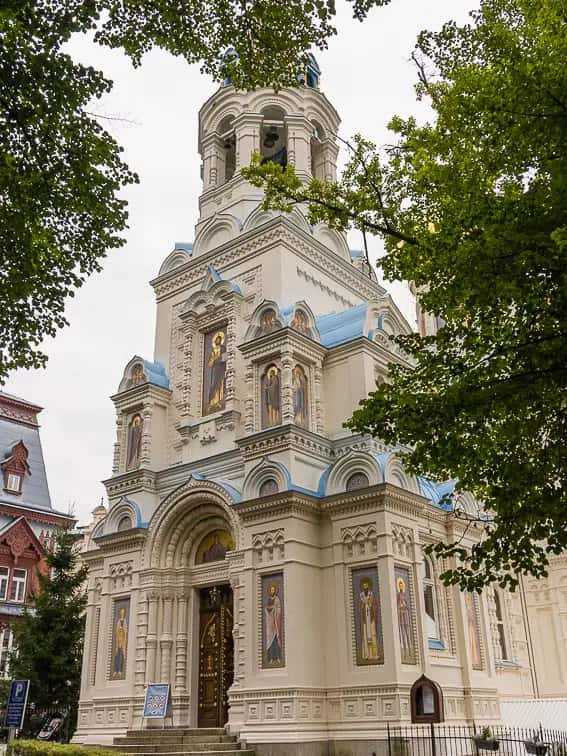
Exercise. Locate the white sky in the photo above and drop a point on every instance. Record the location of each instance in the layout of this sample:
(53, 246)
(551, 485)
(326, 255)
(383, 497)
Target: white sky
(368, 77)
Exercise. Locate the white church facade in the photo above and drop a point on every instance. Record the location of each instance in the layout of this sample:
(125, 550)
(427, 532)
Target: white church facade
(258, 557)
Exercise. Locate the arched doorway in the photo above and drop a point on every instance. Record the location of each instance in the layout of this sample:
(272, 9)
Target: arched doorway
(216, 654)
(216, 647)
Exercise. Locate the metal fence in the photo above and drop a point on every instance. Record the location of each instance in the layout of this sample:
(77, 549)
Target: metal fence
(448, 740)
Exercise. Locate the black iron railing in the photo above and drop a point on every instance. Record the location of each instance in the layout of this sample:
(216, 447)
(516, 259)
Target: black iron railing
(455, 740)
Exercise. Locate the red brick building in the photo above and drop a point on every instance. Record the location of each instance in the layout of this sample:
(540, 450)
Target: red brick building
(28, 523)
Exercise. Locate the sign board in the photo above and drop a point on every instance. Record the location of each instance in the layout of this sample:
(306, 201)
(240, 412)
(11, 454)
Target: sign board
(17, 700)
(157, 700)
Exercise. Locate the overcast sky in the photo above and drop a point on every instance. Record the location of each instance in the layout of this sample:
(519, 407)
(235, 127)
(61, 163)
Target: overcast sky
(367, 75)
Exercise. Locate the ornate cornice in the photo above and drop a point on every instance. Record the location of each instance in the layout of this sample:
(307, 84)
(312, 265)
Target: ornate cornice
(130, 482)
(138, 395)
(279, 230)
(18, 410)
(284, 339)
(121, 540)
(282, 437)
(286, 503)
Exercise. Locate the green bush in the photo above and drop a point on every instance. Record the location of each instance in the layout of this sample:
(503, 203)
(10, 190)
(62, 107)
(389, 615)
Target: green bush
(45, 748)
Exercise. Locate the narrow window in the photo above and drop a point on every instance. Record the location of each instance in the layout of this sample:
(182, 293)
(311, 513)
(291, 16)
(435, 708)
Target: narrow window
(430, 601)
(18, 585)
(500, 627)
(6, 646)
(4, 572)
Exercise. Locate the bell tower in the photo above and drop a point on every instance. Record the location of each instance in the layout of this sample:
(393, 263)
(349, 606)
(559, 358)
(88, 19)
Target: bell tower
(292, 127)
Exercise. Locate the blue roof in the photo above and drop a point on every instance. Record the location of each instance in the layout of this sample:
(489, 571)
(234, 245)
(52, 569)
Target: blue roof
(355, 253)
(35, 491)
(185, 246)
(233, 492)
(439, 494)
(216, 277)
(340, 327)
(156, 374)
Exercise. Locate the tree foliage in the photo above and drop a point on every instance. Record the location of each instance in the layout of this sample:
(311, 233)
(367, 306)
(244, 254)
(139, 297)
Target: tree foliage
(49, 639)
(61, 171)
(472, 207)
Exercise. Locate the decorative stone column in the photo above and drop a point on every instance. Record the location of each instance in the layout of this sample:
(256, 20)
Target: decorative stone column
(317, 394)
(213, 161)
(181, 643)
(329, 152)
(287, 388)
(166, 640)
(151, 640)
(119, 443)
(142, 630)
(247, 127)
(249, 404)
(146, 451)
(299, 133)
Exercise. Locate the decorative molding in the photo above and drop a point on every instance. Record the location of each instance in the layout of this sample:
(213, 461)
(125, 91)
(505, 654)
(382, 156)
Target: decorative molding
(359, 541)
(121, 575)
(282, 231)
(317, 283)
(269, 546)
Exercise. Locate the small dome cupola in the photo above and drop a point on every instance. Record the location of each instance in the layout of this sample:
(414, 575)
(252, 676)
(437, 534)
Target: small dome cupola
(230, 57)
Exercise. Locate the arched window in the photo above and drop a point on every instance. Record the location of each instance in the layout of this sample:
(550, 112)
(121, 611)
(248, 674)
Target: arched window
(500, 628)
(124, 523)
(357, 480)
(426, 699)
(317, 152)
(430, 601)
(268, 487)
(273, 137)
(228, 140)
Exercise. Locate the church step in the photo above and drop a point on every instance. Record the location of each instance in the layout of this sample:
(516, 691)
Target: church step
(201, 745)
(183, 731)
(200, 751)
(158, 739)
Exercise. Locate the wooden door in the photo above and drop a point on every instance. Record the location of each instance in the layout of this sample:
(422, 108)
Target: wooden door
(216, 655)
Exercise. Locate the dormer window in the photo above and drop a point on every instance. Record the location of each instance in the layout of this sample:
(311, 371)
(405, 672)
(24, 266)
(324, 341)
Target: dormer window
(14, 467)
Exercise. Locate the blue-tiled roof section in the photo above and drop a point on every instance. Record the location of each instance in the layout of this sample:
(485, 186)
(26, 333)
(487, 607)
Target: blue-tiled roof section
(340, 327)
(233, 492)
(439, 494)
(184, 246)
(35, 491)
(155, 373)
(216, 277)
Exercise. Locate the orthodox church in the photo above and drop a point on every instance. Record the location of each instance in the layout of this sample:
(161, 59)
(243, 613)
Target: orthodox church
(256, 556)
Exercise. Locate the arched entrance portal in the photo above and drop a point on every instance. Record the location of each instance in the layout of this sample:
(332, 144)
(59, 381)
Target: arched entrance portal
(191, 545)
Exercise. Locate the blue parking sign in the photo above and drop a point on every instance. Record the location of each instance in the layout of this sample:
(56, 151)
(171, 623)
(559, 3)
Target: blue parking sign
(157, 699)
(17, 700)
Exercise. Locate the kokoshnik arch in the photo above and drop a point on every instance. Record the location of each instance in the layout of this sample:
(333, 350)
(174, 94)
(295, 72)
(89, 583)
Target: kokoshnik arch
(262, 560)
